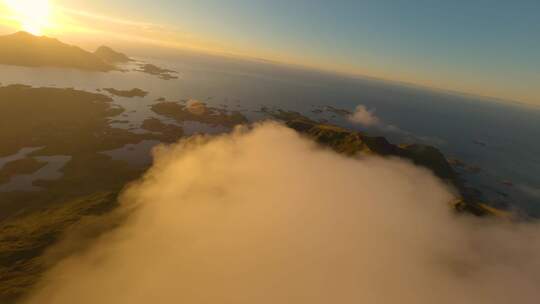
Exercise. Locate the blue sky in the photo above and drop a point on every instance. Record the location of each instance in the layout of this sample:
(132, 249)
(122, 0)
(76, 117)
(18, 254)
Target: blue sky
(477, 46)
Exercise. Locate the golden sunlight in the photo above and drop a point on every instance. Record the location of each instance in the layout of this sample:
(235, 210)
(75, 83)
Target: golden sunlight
(32, 16)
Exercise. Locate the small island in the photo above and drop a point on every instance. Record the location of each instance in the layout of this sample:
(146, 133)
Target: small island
(198, 111)
(136, 92)
(168, 132)
(154, 70)
(26, 165)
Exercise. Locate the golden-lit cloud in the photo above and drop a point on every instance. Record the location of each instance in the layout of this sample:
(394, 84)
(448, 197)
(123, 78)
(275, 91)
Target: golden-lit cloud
(263, 216)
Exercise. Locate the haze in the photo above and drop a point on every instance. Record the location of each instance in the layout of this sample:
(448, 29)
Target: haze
(251, 151)
(488, 48)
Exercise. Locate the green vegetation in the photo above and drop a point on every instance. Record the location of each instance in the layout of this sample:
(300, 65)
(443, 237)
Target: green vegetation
(352, 143)
(65, 121)
(32, 221)
(24, 240)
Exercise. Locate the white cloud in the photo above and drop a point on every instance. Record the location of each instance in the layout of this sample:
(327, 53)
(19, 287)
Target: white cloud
(364, 116)
(367, 118)
(264, 216)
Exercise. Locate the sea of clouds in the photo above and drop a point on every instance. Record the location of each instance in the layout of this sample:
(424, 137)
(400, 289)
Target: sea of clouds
(263, 215)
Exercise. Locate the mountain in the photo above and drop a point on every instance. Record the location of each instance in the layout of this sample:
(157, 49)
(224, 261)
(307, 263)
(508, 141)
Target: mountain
(24, 49)
(111, 56)
(350, 143)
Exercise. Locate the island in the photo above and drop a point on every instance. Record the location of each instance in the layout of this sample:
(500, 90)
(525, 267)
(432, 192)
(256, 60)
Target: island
(69, 122)
(21, 166)
(136, 92)
(154, 70)
(168, 132)
(199, 112)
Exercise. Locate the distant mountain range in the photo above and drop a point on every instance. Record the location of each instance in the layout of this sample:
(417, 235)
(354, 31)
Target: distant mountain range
(24, 49)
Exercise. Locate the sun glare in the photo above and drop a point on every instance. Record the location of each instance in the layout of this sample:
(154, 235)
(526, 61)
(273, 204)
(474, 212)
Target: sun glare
(32, 16)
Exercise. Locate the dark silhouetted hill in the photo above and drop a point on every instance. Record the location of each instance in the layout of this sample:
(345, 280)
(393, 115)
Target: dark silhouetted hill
(24, 49)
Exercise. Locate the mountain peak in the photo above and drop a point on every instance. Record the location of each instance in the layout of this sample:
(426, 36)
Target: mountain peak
(109, 55)
(24, 49)
(22, 34)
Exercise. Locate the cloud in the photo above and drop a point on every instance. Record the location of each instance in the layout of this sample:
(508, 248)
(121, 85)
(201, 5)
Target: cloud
(364, 116)
(529, 190)
(367, 118)
(264, 216)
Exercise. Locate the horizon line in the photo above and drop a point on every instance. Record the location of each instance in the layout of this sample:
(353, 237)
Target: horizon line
(315, 68)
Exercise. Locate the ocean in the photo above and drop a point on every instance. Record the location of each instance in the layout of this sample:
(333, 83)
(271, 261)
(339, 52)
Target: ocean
(496, 141)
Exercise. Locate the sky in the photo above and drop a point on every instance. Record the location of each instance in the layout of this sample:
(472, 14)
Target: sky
(483, 47)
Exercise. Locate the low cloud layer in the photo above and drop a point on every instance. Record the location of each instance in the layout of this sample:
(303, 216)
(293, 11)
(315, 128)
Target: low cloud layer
(264, 216)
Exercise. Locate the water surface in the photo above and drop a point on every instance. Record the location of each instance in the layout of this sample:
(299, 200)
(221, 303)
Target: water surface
(500, 138)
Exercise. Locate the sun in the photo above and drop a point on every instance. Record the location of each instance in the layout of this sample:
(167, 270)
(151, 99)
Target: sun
(32, 16)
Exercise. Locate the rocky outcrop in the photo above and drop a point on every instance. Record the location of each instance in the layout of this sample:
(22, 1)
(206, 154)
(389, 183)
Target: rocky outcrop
(154, 70)
(111, 56)
(352, 143)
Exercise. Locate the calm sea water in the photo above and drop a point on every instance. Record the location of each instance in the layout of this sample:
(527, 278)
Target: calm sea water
(500, 138)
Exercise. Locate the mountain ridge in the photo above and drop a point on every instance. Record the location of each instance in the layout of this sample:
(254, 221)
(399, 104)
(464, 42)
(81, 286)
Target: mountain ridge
(24, 49)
